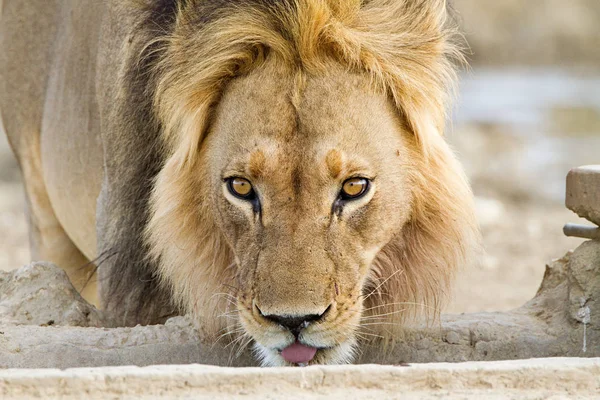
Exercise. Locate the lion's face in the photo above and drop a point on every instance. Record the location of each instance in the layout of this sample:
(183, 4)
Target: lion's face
(307, 189)
(307, 177)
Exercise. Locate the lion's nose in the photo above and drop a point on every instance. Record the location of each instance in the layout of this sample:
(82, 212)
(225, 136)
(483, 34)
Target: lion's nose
(295, 323)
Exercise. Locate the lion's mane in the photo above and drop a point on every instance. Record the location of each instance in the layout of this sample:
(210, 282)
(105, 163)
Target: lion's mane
(407, 47)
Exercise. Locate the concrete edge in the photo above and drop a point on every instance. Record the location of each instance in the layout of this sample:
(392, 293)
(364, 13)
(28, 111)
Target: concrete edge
(549, 375)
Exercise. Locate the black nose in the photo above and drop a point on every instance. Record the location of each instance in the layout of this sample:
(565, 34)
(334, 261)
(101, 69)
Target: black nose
(295, 323)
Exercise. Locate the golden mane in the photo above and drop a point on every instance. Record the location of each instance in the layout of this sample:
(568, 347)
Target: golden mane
(406, 46)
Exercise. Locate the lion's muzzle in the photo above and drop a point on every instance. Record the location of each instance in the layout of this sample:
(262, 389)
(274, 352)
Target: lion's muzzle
(297, 352)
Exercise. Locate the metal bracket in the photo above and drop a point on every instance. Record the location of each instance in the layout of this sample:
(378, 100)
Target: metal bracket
(582, 231)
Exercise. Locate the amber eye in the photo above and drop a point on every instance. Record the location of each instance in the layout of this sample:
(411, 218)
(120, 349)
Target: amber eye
(241, 188)
(354, 188)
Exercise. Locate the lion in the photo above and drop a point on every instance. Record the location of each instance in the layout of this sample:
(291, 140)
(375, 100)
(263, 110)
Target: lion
(275, 168)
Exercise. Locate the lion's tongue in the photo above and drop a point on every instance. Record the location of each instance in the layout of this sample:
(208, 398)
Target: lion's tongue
(298, 353)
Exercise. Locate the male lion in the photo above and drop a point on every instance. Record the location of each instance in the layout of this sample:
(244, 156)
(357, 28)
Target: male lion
(276, 168)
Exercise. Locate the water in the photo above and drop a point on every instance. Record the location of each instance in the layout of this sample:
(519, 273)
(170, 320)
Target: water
(537, 125)
(524, 98)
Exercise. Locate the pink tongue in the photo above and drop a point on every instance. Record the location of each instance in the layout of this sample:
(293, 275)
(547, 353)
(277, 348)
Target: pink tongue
(298, 353)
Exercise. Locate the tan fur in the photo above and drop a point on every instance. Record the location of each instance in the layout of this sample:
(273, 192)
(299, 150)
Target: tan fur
(334, 163)
(280, 94)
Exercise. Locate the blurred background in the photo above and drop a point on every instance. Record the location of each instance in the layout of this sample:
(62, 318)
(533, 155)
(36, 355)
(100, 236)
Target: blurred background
(528, 111)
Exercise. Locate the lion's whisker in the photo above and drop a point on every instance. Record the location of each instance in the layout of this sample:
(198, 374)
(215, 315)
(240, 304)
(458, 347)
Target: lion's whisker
(391, 304)
(230, 333)
(406, 303)
(229, 314)
(379, 316)
(383, 323)
(235, 341)
(225, 294)
(369, 334)
(382, 283)
(243, 346)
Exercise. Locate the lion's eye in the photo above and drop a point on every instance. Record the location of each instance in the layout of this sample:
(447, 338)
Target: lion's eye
(241, 188)
(354, 188)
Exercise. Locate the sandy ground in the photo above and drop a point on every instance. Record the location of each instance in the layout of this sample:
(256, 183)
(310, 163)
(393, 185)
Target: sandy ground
(518, 240)
(521, 223)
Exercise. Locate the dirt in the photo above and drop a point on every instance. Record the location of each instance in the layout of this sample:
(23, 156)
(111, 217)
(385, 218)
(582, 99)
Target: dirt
(521, 223)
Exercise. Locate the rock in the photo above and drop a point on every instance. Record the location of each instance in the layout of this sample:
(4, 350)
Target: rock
(554, 378)
(452, 337)
(41, 294)
(584, 283)
(583, 192)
